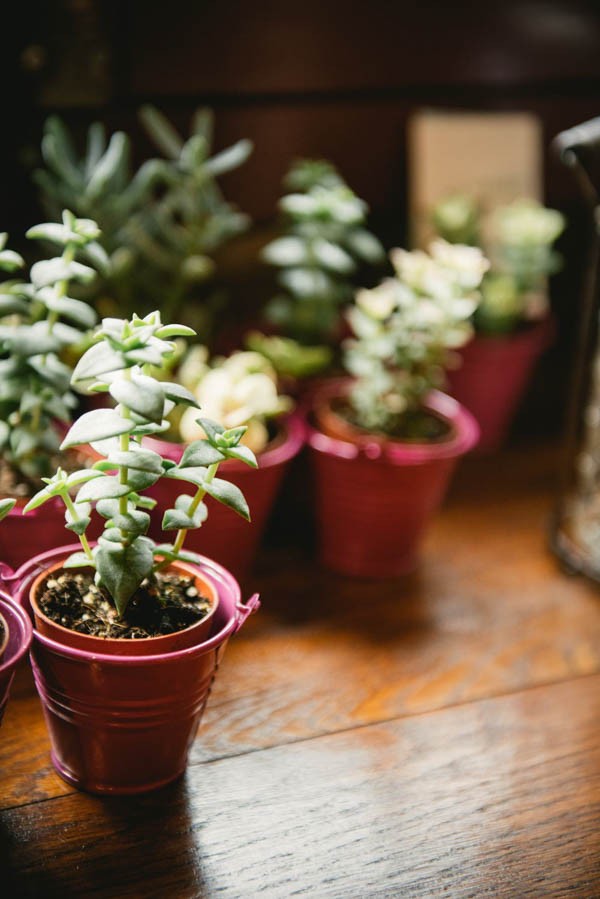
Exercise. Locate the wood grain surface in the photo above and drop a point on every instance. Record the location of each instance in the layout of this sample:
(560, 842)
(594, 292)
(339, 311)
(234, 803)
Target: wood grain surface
(498, 797)
(425, 737)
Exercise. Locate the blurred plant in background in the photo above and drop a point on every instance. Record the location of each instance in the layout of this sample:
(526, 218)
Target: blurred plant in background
(457, 219)
(161, 225)
(404, 332)
(39, 320)
(289, 358)
(518, 239)
(319, 256)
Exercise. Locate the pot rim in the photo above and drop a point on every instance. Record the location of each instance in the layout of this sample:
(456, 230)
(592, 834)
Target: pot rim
(464, 436)
(6, 632)
(222, 579)
(17, 510)
(162, 639)
(294, 435)
(9, 605)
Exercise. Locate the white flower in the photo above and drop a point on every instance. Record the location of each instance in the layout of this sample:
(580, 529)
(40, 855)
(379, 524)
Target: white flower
(379, 302)
(194, 366)
(247, 362)
(239, 390)
(467, 265)
(410, 267)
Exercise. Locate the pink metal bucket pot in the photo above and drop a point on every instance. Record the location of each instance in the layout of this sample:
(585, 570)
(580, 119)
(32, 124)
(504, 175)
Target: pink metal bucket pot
(124, 724)
(493, 378)
(19, 640)
(225, 536)
(374, 500)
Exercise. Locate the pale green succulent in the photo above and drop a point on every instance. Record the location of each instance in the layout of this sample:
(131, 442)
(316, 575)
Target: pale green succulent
(318, 256)
(521, 243)
(457, 219)
(289, 358)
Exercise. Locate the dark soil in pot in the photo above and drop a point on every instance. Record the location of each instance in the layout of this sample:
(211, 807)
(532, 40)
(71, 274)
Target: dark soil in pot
(168, 604)
(338, 419)
(14, 483)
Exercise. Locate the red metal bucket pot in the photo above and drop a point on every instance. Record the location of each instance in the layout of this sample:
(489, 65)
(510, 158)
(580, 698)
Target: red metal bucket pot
(19, 639)
(124, 723)
(374, 499)
(493, 378)
(225, 536)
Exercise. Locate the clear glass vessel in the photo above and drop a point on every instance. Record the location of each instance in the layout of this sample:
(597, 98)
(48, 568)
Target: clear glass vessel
(575, 534)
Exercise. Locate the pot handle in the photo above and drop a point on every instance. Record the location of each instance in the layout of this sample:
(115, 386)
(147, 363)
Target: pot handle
(244, 610)
(8, 578)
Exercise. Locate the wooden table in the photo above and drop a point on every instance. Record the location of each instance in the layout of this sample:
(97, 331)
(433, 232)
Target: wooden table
(436, 736)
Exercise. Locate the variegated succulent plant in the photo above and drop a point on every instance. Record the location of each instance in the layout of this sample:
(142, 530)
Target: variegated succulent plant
(405, 329)
(518, 238)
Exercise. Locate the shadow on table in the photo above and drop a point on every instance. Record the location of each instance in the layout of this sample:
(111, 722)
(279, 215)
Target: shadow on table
(297, 592)
(127, 846)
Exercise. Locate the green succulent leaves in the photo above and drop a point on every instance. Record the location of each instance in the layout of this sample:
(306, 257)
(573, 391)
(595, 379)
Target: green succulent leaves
(123, 356)
(162, 224)
(6, 506)
(44, 320)
(318, 256)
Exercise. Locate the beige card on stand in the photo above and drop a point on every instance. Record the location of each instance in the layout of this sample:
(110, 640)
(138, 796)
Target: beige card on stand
(495, 156)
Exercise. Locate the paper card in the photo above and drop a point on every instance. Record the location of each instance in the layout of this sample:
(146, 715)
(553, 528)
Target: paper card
(495, 156)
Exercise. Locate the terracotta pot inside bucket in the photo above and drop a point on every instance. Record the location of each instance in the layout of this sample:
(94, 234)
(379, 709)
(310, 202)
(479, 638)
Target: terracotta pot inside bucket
(190, 636)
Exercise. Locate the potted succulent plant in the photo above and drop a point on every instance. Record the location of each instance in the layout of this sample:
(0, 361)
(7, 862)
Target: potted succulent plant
(512, 323)
(129, 633)
(162, 225)
(39, 322)
(319, 254)
(239, 390)
(384, 443)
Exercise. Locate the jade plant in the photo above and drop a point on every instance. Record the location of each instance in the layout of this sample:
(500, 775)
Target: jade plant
(518, 239)
(39, 322)
(119, 364)
(319, 255)
(404, 333)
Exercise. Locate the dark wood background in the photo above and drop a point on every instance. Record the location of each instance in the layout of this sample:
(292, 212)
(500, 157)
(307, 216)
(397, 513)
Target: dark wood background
(330, 78)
